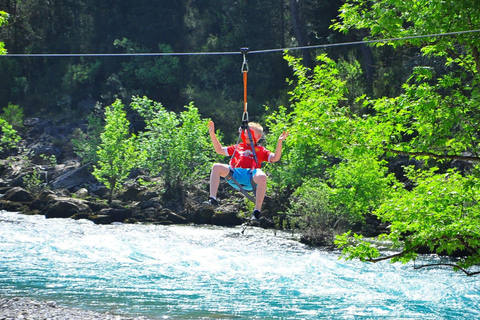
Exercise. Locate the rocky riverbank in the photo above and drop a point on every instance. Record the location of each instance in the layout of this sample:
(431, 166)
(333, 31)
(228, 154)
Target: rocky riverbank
(44, 176)
(28, 309)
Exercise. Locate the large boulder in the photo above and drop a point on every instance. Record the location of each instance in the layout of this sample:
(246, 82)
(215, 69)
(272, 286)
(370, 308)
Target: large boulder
(67, 207)
(202, 216)
(42, 200)
(18, 194)
(228, 216)
(74, 178)
(116, 215)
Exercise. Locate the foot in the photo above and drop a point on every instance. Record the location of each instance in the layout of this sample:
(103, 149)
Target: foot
(210, 204)
(255, 218)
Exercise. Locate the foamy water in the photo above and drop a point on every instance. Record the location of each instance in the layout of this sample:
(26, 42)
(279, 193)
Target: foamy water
(201, 272)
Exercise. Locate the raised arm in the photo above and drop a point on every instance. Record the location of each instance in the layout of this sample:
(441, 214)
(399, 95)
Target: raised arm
(216, 144)
(278, 150)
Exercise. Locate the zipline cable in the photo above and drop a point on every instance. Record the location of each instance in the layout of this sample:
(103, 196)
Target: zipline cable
(233, 52)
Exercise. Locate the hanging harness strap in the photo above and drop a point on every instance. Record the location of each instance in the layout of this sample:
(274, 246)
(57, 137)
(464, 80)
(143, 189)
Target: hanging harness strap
(241, 188)
(245, 130)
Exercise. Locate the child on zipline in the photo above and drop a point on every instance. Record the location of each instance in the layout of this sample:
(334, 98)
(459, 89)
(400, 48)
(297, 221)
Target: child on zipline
(243, 166)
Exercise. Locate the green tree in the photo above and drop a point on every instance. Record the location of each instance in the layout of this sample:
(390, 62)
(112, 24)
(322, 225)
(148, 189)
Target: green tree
(14, 115)
(8, 135)
(85, 144)
(435, 120)
(176, 146)
(3, 20)
(117, 152)
(326, 155)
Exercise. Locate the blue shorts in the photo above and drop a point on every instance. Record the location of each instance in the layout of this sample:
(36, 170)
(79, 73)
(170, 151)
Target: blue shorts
(243, 177)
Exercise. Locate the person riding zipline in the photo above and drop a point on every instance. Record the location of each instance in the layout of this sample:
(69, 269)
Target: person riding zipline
(243, 171)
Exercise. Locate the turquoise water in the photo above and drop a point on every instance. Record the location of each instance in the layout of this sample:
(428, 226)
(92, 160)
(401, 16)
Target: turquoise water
(200, 272)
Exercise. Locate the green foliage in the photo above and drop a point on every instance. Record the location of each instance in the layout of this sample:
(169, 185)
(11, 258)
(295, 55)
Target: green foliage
(81, 75)
(434, 120)
(14, 115)
(314, 210)
(9, 137)
(315, 103)
(33, 181)
(151, 73)
(440, 213)
(355, 247)
(176, 146)
(400, 18)
(85, 144)
(3, 20)
(117, 152)
(323, 128)
(360, 186)
(157, 140)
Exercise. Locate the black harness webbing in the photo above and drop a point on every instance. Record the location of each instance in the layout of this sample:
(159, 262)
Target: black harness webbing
(241, 188)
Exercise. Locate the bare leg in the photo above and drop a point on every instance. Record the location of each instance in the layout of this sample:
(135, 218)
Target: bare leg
(261, 180)
(218, 170)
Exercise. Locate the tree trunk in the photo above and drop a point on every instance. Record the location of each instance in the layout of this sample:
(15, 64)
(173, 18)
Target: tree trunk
(298, 32)
(368, 65)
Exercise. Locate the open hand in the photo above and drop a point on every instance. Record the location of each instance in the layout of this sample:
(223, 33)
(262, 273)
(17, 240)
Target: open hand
(283, 136)
(211, 126)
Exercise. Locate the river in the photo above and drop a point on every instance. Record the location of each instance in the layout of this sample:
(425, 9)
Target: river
(204, 272)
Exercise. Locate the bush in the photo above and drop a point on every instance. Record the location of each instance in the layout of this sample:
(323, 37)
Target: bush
(13, 114)
(85, 144)
(8, 135)
(117, 153)
(176, 146)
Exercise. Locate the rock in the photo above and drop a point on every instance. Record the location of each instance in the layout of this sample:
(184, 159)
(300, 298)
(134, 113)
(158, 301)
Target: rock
(131, 194)
(25, 308)
(67, 207)
(96, 205)
(101, 219)
(81, 193)
(42, 199)
(148, 204)
(13, 206)
(131, 221)
(203, 216)
(146, 195)
(226, 217)
(81, 215)
(74, 178)
(41, 149)
(116, 215)
(173, 217)
(18, 194)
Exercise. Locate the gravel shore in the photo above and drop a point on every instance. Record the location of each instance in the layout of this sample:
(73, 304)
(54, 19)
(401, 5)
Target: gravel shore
(28, 309)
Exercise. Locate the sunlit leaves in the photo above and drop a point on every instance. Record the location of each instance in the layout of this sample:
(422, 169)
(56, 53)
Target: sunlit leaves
(3, 20)
(440, 213)
(8, 135)
(175, 146)
(117, 152)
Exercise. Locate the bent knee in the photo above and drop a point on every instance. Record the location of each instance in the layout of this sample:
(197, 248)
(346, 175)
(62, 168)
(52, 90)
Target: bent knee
(260, 178)
(221, 169)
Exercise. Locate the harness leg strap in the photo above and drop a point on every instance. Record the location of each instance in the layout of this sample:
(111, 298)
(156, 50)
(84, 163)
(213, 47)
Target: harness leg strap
(241, 188)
